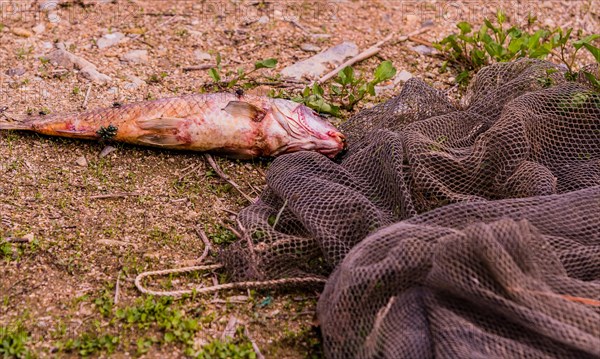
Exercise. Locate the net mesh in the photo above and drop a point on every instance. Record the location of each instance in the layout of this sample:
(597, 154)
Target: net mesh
(448, 229)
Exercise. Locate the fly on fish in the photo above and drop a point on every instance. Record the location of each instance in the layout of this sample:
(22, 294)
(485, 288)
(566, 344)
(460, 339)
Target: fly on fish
(238, 126)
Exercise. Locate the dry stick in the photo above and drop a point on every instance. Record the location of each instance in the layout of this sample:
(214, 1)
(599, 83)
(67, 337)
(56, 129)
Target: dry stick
(229, 211)
(371, 51)
(17, 240)
(199, 67)
(234, 231)
(116, 195)
(207, 245)
(87, 96)
(254, 345)
(217, 169)
(117, 288)
(418, 40)
(279, 214)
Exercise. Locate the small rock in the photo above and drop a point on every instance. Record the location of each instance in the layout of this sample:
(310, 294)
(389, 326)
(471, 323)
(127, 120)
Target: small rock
(310, 47)
(107, 151)
(47, 45)
(19, 31)
(68, 60)
(427, 23)
(237, 299)
(16, 72)
(134, 83)
(320, 36)
(319, 63)
(402, 76)
(113, 90)
(412, 20)
(29, 237)
(39, 28)
(201, 55)
(263, 20)
(136, 56)
(161, 51)
(109, 40)
(82, 162)
(423, 50)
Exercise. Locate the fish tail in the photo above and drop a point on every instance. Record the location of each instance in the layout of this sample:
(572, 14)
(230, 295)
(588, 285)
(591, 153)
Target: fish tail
(15, 125)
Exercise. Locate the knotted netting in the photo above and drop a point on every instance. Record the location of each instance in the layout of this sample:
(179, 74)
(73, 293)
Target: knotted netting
(455, 230)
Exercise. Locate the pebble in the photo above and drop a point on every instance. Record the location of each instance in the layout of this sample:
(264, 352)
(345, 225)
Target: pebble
(423, 50)
(309, 47)
(201, 55)
(81, 161)
(134, 83)
(320, 36)
(47, 45)
(318, 64)
(109, 40)
(402, 76)
(19, 31)
(16, 72)
(412, 20)
(136, 56)
(39, 28)
(29, 237)
(263, 20)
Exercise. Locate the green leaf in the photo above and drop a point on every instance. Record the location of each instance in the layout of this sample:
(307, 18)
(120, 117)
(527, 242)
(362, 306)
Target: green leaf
(214, 74)
(592, 79)
(346, 76)
(317, 89)
(515, 45)
(501, 16)
(218, 59)
(265, 64)
(464, 27)
(306, 92)
(371, 89)
(541, 52)
(384, 71)
(462, 77)
(490, 25)
(593, 50)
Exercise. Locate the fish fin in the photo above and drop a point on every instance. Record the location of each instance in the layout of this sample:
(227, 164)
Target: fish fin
(161, 140)
(14, 125)
(244, 109)
(77, 134)
(161, 123)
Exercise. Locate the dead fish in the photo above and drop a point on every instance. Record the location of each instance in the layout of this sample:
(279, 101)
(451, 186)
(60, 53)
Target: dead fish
(234, 125)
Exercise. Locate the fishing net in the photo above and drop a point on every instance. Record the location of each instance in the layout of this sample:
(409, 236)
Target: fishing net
(453, 230)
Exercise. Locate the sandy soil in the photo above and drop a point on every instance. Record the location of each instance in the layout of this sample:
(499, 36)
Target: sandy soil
(57, 285)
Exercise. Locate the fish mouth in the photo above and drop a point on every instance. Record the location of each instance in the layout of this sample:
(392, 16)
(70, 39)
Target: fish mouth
(331, 147)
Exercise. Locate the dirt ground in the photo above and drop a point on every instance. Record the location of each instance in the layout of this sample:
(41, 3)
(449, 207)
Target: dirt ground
(104, 221)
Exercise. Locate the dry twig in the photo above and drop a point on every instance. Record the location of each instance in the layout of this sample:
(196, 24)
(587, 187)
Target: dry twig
(371, 51)
(116, 195)
(87, 97)
(219, 171)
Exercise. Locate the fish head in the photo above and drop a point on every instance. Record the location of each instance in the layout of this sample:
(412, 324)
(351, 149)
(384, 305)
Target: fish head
(305, 130)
